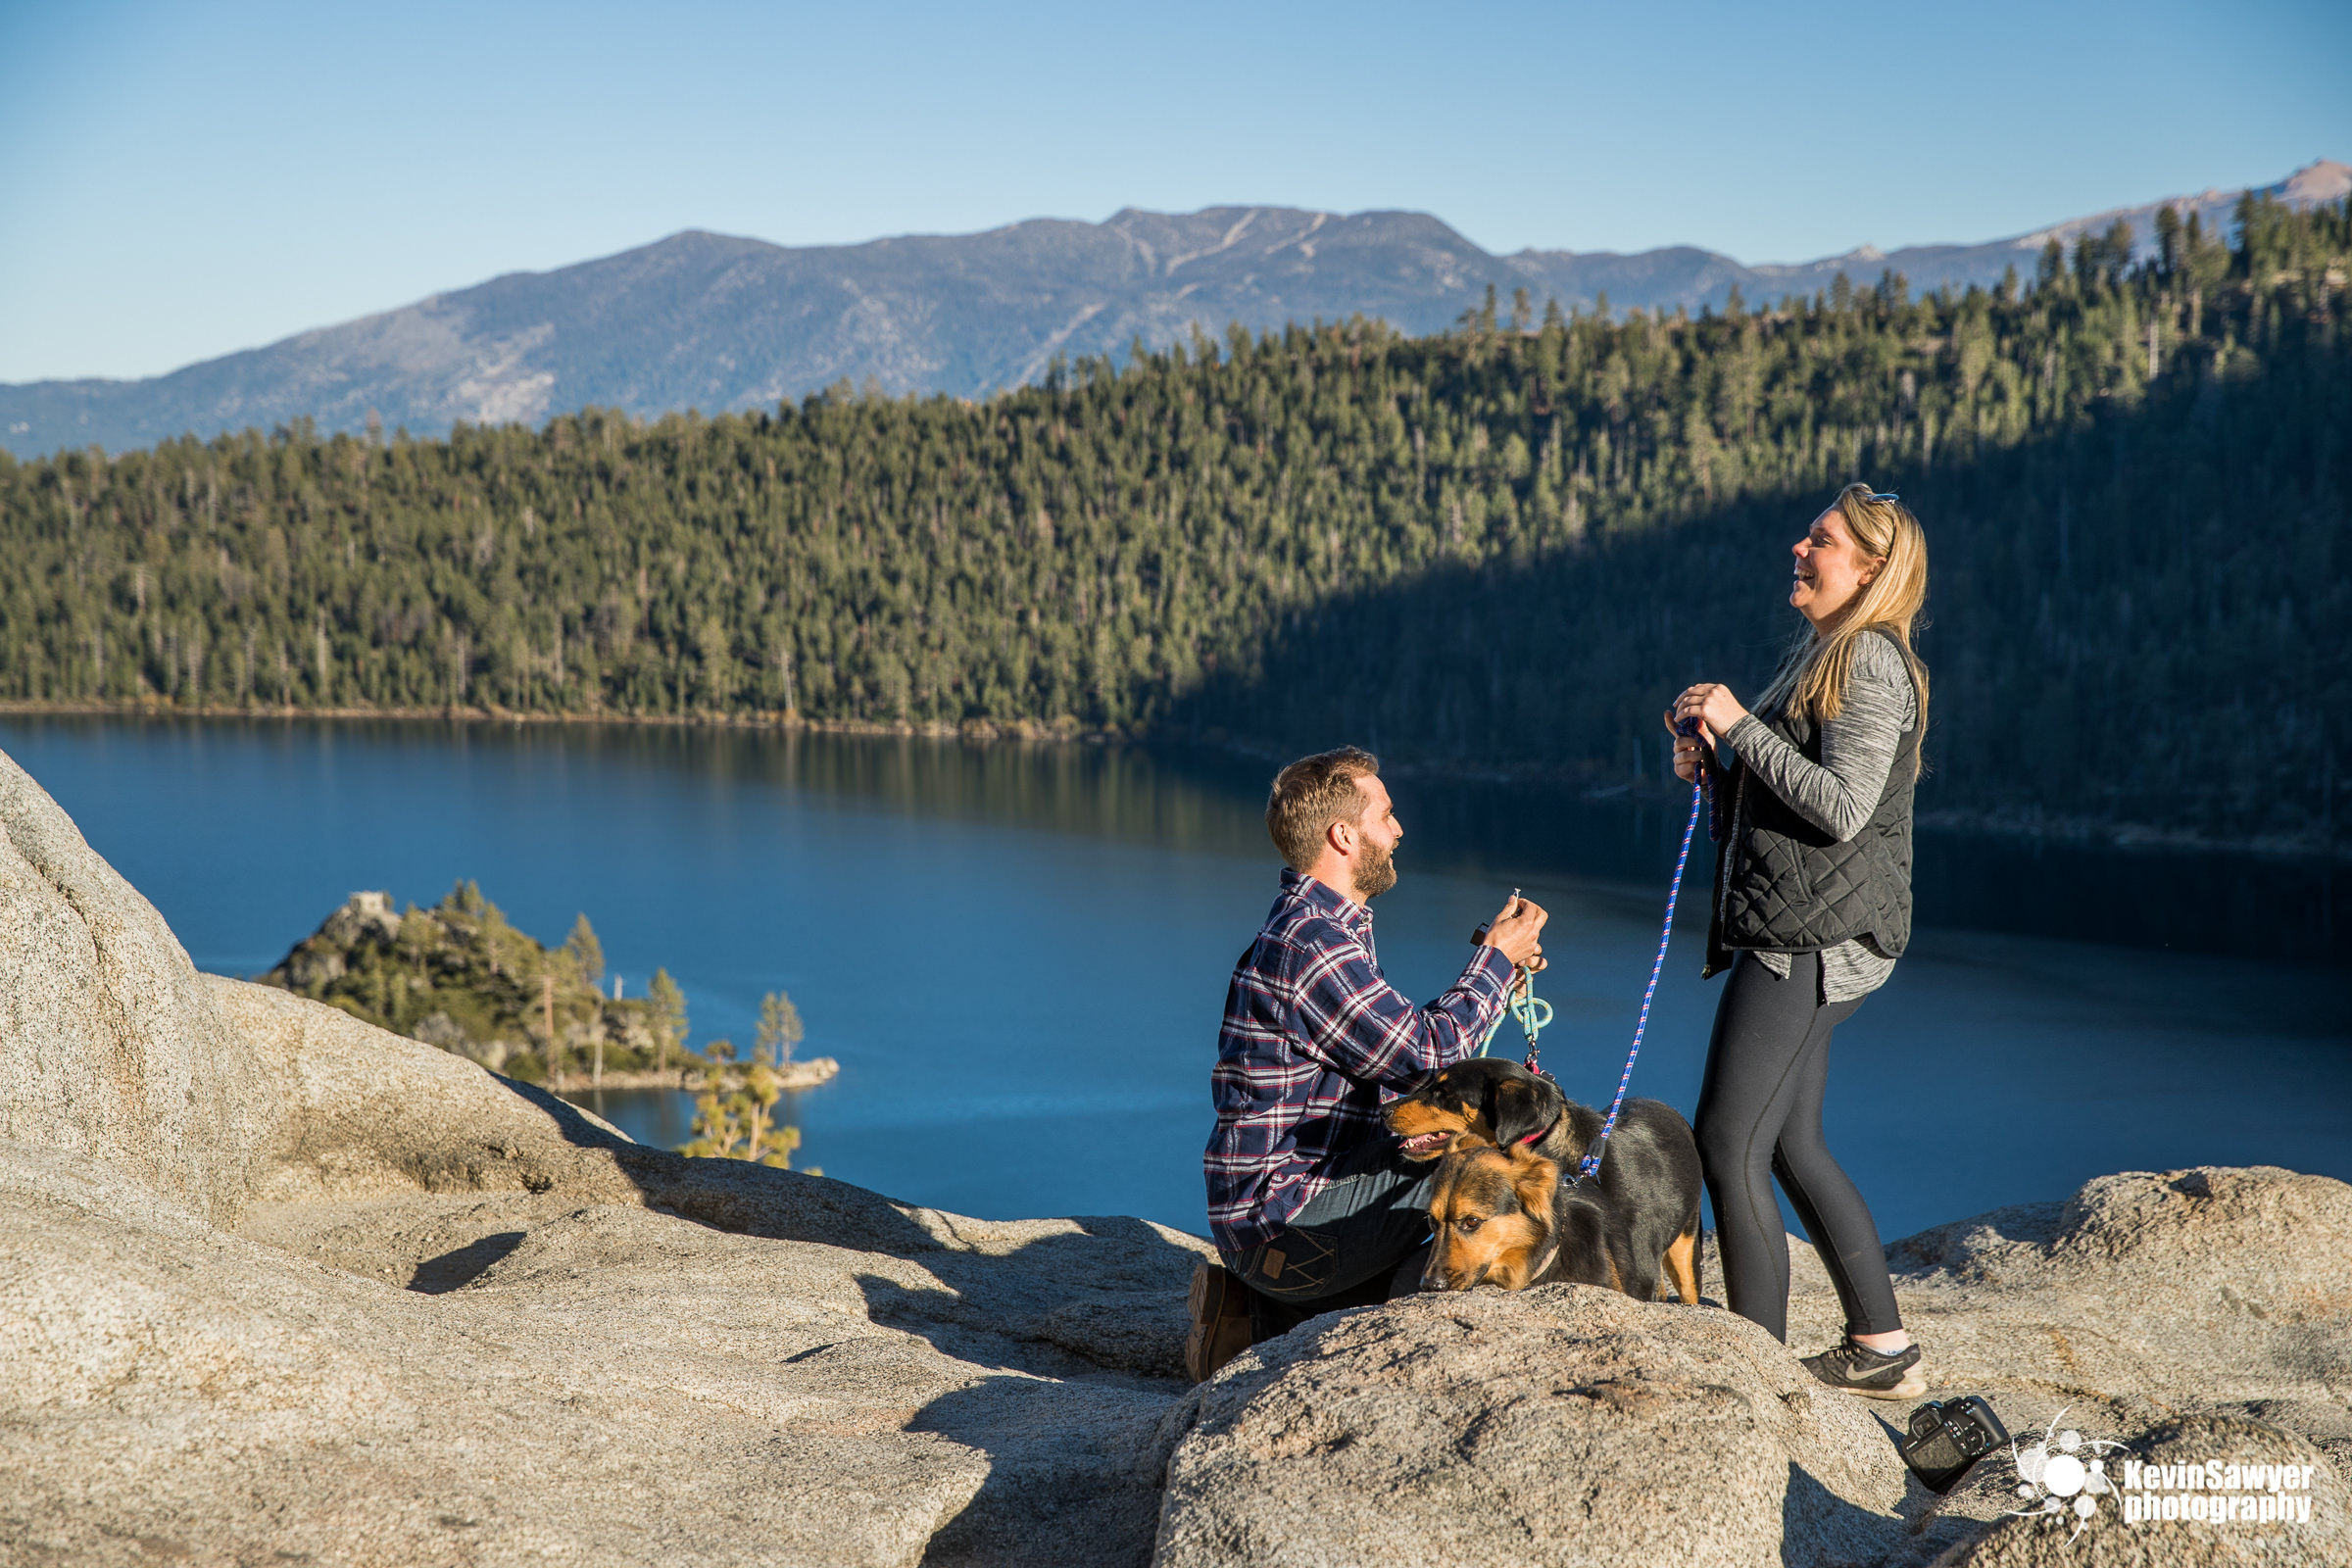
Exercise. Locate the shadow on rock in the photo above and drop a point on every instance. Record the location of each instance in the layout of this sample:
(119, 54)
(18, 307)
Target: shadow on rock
(454, 1271)
(777, 1205)
(1068, 1295)
(1073, 1472)
(578, 1126)
(1085, 1319)
(1818, 1525)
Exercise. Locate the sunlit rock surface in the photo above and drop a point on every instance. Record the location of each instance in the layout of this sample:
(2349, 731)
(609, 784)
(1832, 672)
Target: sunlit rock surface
(277, 1286)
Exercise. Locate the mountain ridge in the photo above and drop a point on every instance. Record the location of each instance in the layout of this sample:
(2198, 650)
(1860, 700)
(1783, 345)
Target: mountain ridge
(714, 322)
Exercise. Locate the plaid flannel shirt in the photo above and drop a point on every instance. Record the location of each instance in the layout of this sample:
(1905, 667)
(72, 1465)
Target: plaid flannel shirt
(1315, 1043)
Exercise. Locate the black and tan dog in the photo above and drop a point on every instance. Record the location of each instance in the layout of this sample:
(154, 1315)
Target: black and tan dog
(1503, 1212)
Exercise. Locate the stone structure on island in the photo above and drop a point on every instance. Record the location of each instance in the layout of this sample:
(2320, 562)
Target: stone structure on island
(277, 1286)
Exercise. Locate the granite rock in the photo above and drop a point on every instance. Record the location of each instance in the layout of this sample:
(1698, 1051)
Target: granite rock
(1565, 1424)
(114, 1045)
(496, 1333)
(1572, 1425)
(277, 1286)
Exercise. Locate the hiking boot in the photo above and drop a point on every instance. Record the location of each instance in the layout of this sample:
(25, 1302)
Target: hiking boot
(1220, 1306)
(1873, 1374)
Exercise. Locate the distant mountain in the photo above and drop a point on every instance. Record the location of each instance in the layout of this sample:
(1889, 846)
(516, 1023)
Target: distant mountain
(1931, 266)
(713, 323)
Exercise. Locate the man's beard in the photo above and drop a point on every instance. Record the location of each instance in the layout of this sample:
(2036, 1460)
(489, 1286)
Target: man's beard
(1375, 871)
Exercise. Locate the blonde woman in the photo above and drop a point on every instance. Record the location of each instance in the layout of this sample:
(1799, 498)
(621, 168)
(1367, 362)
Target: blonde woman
(1812, 909)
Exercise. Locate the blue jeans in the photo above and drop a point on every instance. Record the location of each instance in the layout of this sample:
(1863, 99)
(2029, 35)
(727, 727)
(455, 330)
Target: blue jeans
(1372, 1217)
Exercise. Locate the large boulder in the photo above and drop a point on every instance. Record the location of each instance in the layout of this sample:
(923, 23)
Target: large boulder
(376, 1124)
(2146, 1294)
(110, 1045)
(278, 1286)
(1564, 1425)
(1572, 1425)
(500, 1331)
(172, 1392)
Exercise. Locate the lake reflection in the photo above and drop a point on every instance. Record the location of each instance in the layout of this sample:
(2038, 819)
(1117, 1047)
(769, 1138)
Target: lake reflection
(1018, 954)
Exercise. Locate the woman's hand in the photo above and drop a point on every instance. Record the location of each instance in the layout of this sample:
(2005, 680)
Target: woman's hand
(1687, 747)
(1687, 759)
(1714, 707)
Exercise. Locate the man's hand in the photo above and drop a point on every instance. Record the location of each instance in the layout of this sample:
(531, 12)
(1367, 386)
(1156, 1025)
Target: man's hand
(1516, 932)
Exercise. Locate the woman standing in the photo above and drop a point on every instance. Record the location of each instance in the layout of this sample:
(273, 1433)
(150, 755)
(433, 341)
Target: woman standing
(1812, 907)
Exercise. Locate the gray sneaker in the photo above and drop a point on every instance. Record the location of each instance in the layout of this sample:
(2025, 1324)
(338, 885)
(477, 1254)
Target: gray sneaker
(1858, 1369)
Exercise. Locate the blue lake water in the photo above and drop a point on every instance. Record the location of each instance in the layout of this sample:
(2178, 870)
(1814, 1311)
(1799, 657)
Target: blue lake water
(1018, 954)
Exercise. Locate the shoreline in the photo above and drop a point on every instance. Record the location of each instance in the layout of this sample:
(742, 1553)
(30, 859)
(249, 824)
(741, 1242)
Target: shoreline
(2135, 838)
(2129, 838)
(792, 1076)
(980, 730)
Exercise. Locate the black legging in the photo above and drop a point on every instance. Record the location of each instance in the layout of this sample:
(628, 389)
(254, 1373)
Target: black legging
(1759, 1117)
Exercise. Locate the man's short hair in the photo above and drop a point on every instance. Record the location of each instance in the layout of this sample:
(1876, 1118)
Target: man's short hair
(1310, 795)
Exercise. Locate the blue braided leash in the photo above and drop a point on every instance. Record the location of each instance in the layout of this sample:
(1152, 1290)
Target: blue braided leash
(1657, 966)
(1533, 1013)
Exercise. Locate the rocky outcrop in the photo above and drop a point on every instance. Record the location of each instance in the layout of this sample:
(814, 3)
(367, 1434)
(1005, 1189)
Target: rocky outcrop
(559, 1377)
(457, 1323)
(278, 1286)
(2147, 1295)
(113, 1048)
(1571, 1425)
(1562, 1425)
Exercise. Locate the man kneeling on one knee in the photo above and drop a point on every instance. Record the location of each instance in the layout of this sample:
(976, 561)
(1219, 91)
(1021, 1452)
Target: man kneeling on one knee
(1311, 1203)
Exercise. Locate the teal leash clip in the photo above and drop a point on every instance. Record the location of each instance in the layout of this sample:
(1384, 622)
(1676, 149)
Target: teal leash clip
(1533, 1013)
(1521, 1002)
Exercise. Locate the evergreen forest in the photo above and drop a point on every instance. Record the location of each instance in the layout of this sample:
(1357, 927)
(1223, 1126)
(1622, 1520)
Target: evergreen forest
(1501, 547)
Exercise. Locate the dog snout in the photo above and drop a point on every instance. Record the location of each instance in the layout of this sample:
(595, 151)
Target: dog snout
(1437, 1281)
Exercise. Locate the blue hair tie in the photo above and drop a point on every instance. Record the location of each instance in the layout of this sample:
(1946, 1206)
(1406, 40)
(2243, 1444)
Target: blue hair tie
(1882, 495)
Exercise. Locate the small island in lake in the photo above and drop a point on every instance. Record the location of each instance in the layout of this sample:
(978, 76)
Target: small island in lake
(459, 977)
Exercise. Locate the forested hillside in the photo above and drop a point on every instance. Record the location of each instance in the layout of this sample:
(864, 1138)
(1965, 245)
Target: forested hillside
(1500, 547)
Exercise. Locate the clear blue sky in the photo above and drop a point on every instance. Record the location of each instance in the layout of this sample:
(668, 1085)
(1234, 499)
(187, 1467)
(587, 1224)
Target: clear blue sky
(180, 180)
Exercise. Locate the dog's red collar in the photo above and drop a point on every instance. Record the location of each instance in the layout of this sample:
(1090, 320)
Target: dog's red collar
(1542, 1133)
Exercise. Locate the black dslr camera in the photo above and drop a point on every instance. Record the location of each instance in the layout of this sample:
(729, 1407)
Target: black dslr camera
(1947, 1437)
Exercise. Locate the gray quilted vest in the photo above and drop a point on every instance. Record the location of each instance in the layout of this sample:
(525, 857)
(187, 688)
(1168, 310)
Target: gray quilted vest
(1782, 885)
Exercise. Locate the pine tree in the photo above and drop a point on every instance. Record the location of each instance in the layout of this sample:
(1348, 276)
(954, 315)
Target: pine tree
(668, 1020)
(779, 1028)
(586, 952)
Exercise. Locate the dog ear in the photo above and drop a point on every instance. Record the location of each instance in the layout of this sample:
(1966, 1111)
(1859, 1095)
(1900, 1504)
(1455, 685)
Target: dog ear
(1522, 1107)
(1535, 1181)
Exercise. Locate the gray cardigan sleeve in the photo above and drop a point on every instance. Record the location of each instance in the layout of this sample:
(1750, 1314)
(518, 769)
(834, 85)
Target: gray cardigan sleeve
(1857, 747)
